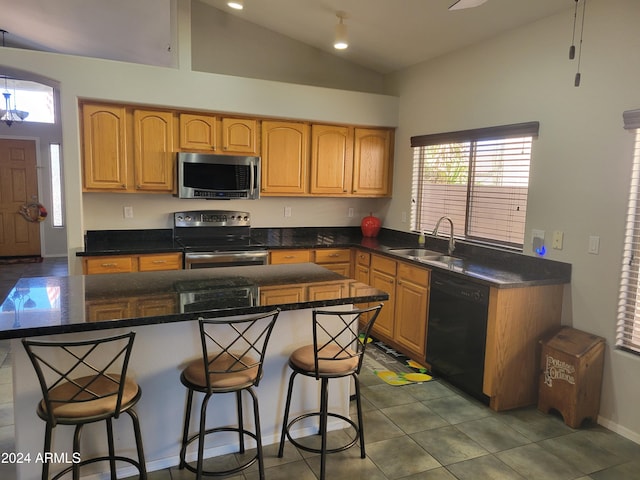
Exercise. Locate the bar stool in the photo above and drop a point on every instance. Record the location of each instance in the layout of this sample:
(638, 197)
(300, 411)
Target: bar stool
(85, 382)
(339, 342)
(233, 352)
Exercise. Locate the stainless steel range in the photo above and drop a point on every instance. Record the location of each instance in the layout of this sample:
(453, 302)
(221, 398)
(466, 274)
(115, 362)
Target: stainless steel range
(217, 238)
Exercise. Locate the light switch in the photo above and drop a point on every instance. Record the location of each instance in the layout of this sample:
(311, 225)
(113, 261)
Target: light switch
(287, 211)
(128, 212)
(557, 240)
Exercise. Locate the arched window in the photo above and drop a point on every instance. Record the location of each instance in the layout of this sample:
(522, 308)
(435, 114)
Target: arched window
(28, 96)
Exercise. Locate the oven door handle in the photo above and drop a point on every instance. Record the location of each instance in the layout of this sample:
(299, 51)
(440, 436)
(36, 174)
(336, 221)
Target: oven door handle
(225, 257)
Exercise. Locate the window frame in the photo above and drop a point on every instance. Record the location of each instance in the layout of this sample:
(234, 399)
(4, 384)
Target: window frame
(628, 317)
(472, 138)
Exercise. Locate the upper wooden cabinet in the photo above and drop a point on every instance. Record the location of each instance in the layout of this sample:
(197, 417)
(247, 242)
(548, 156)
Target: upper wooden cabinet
(285, 147)
(331, 159)
(210, 133)
(127, 150)
(154, 162)
(372, 166)
(104, 146)
(198, 132)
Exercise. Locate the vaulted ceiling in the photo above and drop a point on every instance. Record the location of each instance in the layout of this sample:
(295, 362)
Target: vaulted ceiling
(384, 35)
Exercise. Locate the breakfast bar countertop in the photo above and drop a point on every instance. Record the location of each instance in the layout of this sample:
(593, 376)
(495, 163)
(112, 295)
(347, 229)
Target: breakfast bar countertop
(80, 303)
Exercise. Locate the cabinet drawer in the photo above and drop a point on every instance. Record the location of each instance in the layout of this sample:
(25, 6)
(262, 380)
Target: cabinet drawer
(167, 261)
(363, 258)
(333, 255)
(383, 264)
(109, 265)
(411, 273)
(290, 256)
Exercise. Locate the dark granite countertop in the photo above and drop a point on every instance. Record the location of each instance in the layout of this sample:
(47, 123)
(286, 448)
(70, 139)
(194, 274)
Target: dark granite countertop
(54, 305)
(492, 266)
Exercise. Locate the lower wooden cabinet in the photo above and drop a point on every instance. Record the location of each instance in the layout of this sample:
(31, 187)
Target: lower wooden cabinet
(403, 319)
(99, 310)
(335, 259)
(280, 257)
(132, 263)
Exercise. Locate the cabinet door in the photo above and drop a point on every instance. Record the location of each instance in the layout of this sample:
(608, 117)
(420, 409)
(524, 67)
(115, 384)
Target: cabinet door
(240, 136)
(153, 151)
(104, 142)
(385, 321)
(327, 291)
(102, 310)
(284, 158)
(198, 132)
(275, 296)
(412, 304)
(158, 306)
(372, 162)
(331, 159)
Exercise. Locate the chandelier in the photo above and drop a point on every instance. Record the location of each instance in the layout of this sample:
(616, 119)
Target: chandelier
(10, 113)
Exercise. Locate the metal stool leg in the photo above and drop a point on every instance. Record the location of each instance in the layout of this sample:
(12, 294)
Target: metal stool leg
(359, 414)
(138, 436)
(112, 450)
(185, 432)
(286, 415)
(240, 420)
(324, 411)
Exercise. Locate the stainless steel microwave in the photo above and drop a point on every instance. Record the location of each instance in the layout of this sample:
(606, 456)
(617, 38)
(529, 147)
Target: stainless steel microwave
(218, 177)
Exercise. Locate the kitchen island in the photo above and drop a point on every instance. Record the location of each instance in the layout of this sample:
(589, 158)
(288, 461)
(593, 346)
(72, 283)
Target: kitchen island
(161, 307)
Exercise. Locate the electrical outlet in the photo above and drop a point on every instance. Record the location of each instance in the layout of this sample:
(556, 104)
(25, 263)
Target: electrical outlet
(403, 217)
(558, 237)
(128, 212)
(594, 244)
(287, 211)
(350, 212)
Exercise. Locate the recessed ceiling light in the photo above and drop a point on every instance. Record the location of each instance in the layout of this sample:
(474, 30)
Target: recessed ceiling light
(236, 4)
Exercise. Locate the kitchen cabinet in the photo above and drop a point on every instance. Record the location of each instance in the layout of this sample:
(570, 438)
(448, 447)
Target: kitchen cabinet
(153, 141)
(279, 257)
(285, 158)
(402, 322)
(412, 305)
(335, 259)
(383, 277)
(517, 319)
(277, 295)
(102, 310)
(132, 263)
(104, 147)
(372, 165)
(331, 159)
(127, 150)
(210, 133)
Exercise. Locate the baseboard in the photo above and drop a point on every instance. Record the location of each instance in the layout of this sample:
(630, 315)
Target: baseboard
(619, 429)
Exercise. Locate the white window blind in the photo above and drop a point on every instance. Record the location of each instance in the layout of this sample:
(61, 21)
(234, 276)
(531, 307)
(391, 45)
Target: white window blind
(479, 178)
(628, 331)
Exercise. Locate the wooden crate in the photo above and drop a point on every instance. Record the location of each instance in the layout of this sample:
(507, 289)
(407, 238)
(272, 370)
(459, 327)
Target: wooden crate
(571, 375)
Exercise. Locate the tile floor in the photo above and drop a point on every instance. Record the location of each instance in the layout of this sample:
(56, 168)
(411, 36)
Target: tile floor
(426, 431)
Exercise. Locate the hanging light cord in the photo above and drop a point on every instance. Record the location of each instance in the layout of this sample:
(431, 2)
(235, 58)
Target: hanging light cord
(578, 75)
(572, 49)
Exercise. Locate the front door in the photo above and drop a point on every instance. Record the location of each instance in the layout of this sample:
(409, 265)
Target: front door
(18, 186)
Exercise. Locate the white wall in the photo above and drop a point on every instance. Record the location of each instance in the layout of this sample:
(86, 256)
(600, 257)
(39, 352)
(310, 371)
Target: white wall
(581, 162)
(225, 43)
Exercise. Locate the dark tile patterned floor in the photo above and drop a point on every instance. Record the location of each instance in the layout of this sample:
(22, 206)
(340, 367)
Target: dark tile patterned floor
(428, 431)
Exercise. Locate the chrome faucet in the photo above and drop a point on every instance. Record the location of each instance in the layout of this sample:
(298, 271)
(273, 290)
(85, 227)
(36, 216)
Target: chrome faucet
(452, 242)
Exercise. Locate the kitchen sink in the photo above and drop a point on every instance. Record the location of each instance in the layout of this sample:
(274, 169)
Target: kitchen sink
(415, 252)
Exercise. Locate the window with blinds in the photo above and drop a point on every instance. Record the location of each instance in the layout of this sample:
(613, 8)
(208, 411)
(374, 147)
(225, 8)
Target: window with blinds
(479, 178)
(628, 331)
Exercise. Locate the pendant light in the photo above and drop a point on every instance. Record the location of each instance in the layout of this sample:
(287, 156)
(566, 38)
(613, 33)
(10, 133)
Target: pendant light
(236, 4)
(572, 49)
(341, 41)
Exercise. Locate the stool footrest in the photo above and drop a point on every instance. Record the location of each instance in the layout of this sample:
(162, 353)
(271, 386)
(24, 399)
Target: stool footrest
(101, 459)
(307, 448)
(220, 473)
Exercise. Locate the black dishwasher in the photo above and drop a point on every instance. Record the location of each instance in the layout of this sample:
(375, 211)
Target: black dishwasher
(457, 331)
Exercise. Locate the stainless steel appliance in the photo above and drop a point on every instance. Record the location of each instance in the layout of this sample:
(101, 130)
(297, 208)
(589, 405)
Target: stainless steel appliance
(218, 177)
(214, 294)
(457, 331)
(217, 238)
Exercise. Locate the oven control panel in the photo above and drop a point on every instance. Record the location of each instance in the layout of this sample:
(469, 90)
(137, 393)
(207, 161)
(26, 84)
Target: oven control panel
(212, 218)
